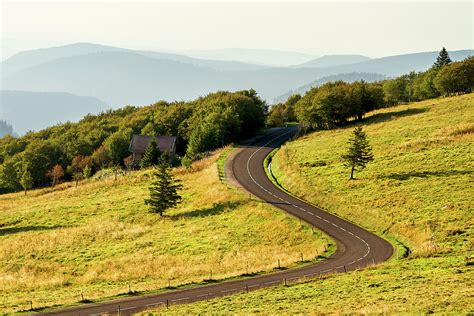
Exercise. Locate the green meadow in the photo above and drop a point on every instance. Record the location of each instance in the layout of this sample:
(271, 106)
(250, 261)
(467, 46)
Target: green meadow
(417, 193)
(97, 241)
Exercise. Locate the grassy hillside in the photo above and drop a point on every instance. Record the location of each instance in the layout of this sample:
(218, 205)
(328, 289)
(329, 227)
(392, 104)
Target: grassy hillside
(419, 191)
(99, 237)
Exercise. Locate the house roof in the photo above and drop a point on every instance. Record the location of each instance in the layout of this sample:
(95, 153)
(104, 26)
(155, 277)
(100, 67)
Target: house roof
(139, 143)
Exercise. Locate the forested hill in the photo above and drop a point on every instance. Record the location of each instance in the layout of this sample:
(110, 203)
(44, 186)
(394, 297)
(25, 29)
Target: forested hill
(101, 141)
(336, 103)
(349, 77)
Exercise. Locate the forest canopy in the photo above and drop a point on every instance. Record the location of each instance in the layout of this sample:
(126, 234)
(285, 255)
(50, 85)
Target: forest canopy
(100, 141)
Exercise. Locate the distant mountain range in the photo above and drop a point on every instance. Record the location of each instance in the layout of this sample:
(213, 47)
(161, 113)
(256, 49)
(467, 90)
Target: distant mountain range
(333, 60)
(31, 58)
(268, 57)
(118, 76)
(33, 111)
(350, 77)
(399, 64)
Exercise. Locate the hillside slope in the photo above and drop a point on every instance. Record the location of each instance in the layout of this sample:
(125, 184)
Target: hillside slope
(333, 60)
(30, 58)
(399, 64)
(100, 237)
(127, 77)
(419, 190)
(109, 76)
(32, 111)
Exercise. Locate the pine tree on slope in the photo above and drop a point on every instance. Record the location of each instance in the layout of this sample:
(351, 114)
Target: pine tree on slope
(359, 152)
(442, 59)
(151, 156)
(163, 190)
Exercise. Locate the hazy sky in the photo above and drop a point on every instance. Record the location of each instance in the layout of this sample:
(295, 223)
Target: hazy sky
(370, 28)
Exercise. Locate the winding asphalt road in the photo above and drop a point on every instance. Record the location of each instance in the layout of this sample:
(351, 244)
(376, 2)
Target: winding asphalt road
(356, 247)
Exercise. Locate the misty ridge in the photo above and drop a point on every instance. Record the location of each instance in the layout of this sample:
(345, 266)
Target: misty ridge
(47, 86)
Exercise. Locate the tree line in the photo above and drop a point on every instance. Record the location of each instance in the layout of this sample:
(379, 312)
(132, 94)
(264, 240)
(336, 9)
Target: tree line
(337, 103)
(73, 151)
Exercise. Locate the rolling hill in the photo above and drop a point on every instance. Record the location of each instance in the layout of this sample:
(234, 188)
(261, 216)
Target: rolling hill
(333, 60)
(36, 57)
(118, 78)
(27, 110)
(399, 64)
(30, 58)
(121, 76)
(268, 57)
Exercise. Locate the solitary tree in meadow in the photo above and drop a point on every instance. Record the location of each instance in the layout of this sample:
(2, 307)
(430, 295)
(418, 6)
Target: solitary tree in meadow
(442, 59)
(163, 190)
(359, 152)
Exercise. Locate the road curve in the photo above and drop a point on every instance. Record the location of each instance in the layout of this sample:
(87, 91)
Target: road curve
(356, 247)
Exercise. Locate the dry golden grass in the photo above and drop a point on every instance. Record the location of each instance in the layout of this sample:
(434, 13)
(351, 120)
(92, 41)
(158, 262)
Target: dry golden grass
(98, 237)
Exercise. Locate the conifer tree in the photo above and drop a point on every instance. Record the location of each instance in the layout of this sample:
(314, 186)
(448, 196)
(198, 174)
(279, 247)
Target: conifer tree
(163, 190)
(151, 156)
(442, 59)
(359, 152)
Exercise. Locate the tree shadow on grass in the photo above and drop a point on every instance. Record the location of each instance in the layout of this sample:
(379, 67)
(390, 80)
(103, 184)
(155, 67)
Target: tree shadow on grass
(215, 209)
(382, 117)
(425, 174)
(14, 230)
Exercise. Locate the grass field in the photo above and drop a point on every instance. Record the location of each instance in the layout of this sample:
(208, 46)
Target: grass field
(98, 238)
(418, 191)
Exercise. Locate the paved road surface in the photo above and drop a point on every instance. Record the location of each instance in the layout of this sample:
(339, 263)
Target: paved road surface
(356, 247)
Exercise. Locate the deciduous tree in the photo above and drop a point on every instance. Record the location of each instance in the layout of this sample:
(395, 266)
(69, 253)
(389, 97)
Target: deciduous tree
(117, 145)
(9, 177)
(26, 179)
(456, 77)
(100, 157)
(56, 174)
